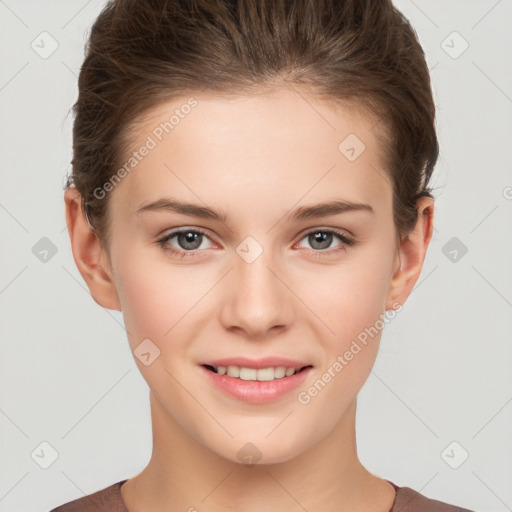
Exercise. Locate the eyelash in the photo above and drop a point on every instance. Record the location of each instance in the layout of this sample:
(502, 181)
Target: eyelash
(317, 253)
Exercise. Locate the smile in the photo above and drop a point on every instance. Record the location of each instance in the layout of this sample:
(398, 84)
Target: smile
(255, 374)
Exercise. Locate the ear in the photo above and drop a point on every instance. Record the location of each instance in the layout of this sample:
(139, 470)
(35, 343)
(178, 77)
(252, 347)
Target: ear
(411, 254)
(90, 257)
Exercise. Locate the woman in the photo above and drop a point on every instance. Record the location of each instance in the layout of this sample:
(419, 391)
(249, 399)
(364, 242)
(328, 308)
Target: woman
(250, 188)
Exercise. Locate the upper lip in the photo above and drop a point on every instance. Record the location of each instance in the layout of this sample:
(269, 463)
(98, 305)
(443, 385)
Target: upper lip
(265, 362)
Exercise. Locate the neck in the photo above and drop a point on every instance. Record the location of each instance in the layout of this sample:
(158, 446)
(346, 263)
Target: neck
(184, 474)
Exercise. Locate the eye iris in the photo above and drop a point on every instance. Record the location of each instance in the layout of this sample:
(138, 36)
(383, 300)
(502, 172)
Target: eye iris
(324, 239)
(189, 237)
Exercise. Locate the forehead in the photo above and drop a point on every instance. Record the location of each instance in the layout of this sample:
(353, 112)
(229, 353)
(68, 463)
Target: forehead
(280, 145)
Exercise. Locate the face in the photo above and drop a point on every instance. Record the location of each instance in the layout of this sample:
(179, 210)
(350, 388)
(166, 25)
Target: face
(256, 272)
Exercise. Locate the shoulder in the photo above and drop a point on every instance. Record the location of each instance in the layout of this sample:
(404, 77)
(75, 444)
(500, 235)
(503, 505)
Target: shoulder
(108, 499)
(409, 500)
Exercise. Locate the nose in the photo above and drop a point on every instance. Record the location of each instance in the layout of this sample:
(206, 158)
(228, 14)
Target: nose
(256, 299)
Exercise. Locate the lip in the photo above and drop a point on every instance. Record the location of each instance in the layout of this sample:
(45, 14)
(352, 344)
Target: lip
(254, 391)
(265, 362)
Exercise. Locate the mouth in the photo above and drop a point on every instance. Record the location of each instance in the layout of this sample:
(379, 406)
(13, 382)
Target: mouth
(269, 373)
(256, 381)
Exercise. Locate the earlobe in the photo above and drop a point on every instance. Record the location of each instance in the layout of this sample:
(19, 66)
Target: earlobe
(411, 254)
(90, 257)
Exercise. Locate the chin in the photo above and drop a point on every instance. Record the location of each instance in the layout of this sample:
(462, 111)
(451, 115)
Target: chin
(259, 452)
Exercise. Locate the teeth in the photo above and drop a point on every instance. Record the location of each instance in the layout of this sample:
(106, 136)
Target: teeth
(290, 371)
(233, 371)
(261, 374)
(279, 372)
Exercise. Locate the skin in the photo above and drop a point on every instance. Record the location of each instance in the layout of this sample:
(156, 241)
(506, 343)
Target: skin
(255, 158)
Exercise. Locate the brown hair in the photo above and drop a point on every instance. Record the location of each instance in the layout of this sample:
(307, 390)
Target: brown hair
(141, 53)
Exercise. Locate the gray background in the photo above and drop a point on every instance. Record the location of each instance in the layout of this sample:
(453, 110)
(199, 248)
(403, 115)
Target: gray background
(443, 374)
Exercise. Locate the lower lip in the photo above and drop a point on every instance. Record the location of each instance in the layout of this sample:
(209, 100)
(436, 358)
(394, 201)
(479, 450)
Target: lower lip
(255, 391)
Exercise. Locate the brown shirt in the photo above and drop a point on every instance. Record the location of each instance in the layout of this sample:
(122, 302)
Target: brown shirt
(110, 500)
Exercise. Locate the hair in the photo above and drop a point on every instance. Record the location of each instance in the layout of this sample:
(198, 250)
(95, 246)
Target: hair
(361, 53)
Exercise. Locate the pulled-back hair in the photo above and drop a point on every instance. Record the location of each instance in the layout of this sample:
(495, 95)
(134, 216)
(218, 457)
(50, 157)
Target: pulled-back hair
(363, 53)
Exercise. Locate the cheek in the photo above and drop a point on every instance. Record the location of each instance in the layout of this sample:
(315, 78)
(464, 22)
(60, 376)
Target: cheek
(155, 297)
(350, 297)
(158, 303)
(145, 310)
(350, 303)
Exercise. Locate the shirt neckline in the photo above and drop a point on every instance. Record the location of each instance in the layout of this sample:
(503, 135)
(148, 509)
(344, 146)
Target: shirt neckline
(395, 487)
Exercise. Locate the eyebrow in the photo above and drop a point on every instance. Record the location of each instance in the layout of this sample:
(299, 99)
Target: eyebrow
(304, 212)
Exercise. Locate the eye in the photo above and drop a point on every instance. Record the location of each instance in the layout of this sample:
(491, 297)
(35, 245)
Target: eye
(188, 241)
(321, 239)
